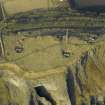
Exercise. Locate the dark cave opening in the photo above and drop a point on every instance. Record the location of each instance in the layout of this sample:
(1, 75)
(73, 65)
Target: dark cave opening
(42, 92)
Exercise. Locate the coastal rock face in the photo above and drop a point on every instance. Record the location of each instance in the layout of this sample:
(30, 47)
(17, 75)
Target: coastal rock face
(43, 67)
(54, 89)
(14, 90)
(73, 84)
(87, 77)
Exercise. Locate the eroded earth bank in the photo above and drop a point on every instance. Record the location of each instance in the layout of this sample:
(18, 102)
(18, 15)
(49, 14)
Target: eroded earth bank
(74, 81)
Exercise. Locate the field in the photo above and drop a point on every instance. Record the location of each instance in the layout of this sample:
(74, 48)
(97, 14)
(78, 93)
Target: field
(15, 6)
(42, 53)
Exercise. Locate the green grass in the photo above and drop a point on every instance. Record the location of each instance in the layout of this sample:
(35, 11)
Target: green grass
(41, 53)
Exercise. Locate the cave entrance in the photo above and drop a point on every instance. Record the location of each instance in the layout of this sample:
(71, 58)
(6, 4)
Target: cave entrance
(42, 92)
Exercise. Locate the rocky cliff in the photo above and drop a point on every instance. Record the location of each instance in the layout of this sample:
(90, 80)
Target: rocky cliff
(72, 84)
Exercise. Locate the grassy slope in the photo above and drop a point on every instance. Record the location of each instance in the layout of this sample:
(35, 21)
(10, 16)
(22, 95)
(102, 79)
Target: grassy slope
(50, 58)
(42, 53)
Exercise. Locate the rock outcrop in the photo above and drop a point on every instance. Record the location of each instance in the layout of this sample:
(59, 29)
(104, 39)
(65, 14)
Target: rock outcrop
(13, 89)
(72, 84)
